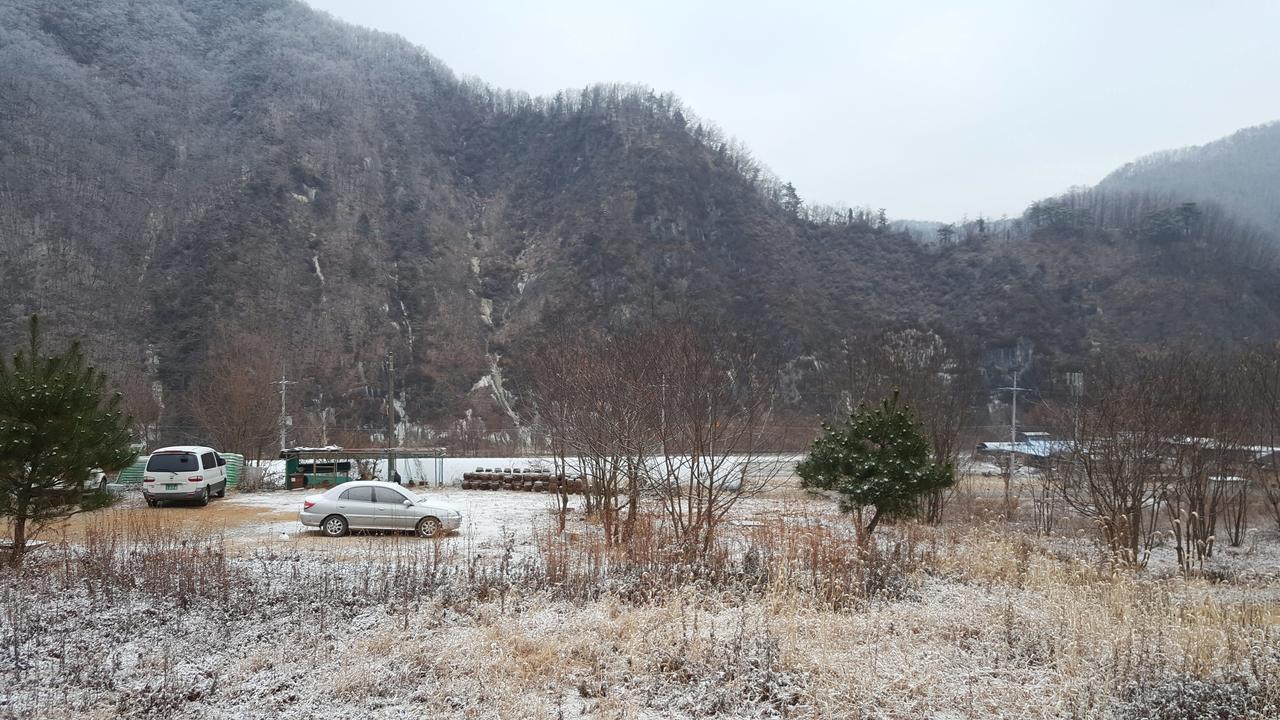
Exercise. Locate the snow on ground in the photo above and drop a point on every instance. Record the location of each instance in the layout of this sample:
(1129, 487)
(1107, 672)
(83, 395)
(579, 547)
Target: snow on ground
(996, 623)
(490, 519)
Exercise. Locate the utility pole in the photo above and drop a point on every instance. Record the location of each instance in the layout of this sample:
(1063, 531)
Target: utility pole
(662, 413)
(1075, 380)
(391, 415)
(284, 383)
(1013, 441)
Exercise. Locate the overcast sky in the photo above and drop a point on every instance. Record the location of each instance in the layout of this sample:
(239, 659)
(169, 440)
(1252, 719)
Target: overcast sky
(929, 109)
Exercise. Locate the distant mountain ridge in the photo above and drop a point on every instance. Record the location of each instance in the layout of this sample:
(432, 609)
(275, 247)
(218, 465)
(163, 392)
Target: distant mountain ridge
(178, 173)
(1240, 171)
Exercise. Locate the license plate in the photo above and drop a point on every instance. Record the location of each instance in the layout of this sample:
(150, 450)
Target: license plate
(168, 486)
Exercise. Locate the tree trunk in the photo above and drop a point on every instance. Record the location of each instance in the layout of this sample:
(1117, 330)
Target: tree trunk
(871, 526)
(19, 537)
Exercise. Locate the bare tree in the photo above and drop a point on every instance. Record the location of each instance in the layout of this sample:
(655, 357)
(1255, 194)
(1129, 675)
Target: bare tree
(656, 414)
(133, 378)
(715, 407)
(1044, 495)
(1206, 431)
(469, 433)
(233, 398)
(595, 397)
(1262, 370)
(1112, 469)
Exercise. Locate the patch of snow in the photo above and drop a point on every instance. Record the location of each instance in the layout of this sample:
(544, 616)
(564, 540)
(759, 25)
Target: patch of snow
(489, 517)
(315, 262)
(407, 325)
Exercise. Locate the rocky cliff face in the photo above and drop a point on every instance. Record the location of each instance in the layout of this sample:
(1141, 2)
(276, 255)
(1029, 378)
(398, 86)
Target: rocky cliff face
(175, 173)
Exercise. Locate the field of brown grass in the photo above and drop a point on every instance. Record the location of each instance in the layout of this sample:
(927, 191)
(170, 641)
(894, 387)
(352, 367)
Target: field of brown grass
(194, 614)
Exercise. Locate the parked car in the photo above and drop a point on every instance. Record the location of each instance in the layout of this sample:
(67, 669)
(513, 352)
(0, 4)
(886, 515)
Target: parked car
(184, 472)
(375, 505)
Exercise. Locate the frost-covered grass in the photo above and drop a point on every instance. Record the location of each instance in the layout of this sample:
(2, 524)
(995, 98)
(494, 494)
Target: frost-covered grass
(147, 615)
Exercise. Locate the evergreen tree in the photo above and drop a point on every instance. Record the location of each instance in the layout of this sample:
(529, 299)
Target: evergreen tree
(1162, 227)
(791, 201)
(1190, 215)
(57, 425)
(877, 458)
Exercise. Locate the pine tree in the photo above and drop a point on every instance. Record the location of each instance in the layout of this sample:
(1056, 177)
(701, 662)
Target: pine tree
(791, 201)
(57, 425)
(877, 458)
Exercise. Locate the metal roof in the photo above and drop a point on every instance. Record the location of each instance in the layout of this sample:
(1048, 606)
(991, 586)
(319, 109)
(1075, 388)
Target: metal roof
(336, 453)
(1030, 448)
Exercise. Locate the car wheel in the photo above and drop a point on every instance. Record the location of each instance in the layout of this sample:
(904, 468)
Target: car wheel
(204, 497)
(153, 503)
(428, 527)
(222, 490)
(334, 526)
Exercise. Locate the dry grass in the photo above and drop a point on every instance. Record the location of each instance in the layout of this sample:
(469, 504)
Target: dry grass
(184, 519)
(786, 617)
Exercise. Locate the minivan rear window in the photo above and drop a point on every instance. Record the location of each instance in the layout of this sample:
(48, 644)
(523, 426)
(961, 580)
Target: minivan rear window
(173, 462)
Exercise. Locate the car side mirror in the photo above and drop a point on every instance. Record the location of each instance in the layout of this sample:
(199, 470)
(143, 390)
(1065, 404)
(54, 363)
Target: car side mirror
(408, 504)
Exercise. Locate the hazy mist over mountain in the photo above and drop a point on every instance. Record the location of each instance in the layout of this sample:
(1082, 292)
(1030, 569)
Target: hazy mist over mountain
(1240, 171)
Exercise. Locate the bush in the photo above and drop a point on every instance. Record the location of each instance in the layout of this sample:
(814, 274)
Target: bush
(1183, 697)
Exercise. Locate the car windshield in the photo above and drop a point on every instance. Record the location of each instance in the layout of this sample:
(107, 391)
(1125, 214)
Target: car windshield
(173, 462)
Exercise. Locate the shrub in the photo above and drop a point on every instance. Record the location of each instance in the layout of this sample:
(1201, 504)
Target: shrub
(1181, 697)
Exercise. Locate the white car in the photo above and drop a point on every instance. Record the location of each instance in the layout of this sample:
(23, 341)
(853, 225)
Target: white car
(373, 505)
(184, 472)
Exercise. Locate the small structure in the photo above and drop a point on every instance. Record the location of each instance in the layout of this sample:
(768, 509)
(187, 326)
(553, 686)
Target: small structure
(1035, 449)
(1237, 456)
(332, 465)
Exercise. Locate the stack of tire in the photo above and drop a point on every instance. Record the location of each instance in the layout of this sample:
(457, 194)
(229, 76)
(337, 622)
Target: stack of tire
(521, 479)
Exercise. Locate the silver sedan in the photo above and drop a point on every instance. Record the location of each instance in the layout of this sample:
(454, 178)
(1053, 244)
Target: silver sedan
(371, 505)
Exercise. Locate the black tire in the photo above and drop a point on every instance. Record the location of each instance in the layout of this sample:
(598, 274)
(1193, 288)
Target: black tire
(222, 490)
(428, 527)
(334, 526)
(153, 503)
(204, 497)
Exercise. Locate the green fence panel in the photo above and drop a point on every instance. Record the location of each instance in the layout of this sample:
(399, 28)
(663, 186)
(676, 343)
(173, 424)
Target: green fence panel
(132, 475)
(235, 467)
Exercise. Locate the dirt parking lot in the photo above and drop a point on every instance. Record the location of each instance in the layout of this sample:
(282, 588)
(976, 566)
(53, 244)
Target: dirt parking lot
(251, 522)
(494, 521)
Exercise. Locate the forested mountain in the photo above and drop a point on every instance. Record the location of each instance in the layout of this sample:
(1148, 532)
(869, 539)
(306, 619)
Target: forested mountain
(1241, 172)
(181, 175)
